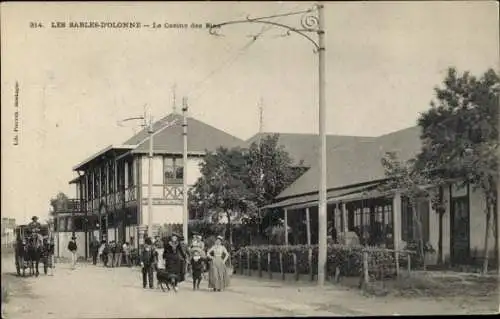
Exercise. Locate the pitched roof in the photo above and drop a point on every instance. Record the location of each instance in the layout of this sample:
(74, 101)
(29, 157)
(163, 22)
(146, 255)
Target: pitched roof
(359, 162)
(201, 137)
(304, 147)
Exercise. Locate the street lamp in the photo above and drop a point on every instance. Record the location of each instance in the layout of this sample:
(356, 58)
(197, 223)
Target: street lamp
(312, 21)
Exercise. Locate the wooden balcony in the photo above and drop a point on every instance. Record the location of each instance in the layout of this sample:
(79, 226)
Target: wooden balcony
(71, 206)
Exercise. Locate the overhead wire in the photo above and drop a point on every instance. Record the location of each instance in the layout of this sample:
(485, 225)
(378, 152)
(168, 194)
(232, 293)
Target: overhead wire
(239, 53)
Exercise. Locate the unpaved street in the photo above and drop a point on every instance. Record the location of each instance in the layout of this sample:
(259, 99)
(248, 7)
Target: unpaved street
(97, 292)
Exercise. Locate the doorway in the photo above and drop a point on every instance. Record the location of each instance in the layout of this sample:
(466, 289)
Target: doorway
(460, 230)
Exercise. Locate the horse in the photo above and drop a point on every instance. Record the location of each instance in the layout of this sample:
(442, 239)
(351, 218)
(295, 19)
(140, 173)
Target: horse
(21, 255)
(34, 252)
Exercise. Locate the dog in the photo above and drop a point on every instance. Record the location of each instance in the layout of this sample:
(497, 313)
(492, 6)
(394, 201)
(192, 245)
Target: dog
(165, 278)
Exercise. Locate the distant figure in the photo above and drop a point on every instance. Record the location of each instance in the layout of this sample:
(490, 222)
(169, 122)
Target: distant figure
(52, 261)
(104, 253)
(94, 250)
(126, 253)
(218, 276)
(72, 247)
(113, 251)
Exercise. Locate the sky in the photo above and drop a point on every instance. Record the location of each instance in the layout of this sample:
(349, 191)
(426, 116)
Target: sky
(383, 60)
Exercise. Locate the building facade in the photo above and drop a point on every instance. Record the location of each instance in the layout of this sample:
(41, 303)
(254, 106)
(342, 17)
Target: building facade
(8, 235)
(112, 185)
(356, 203)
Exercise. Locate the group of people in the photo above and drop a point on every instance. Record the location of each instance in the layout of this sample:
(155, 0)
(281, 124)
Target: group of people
(111, 254)
(177, 258)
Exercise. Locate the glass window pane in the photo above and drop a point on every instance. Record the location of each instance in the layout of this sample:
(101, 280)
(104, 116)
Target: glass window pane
(168, 161)
(179, 172)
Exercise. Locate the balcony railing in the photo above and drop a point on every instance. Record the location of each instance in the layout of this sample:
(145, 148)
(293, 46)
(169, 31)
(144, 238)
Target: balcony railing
(69, 206)
(173, 192)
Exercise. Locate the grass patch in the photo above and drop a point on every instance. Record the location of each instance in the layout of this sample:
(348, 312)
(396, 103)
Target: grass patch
(469, 291)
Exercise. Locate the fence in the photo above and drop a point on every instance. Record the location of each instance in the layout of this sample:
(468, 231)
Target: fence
(296, 262)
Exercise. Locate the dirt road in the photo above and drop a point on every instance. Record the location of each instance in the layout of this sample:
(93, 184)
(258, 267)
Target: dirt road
(97, 292)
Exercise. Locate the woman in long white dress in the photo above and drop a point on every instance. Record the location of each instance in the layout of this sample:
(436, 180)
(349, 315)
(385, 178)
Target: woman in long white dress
(218, 276)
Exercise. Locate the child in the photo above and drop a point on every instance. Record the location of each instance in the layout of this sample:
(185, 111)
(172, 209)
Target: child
(197, 269)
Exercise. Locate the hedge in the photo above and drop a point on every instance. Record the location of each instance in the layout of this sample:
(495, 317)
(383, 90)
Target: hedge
(303, 260)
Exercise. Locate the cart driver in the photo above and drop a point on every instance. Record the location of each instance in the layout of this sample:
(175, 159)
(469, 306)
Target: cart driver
(35, 225)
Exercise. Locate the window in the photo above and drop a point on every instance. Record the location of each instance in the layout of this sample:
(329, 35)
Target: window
(111, 178)
(97, 184)
(130, 173)
(173, 170)
(91, 185)
(103, 180)
(121, 176)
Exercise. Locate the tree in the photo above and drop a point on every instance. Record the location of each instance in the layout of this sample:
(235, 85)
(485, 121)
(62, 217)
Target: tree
(222, 188)
(59, 203)
(460, 137)
(270, 171)
(238, 181)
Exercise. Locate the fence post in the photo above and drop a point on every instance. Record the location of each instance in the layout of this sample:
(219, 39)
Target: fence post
(240, 264)
(249, 272)
(295, 267)
(281, 266)
(365, 267)
(269, 265)
(309, 258)
(396, 255)
(409, 263)
(259, 259)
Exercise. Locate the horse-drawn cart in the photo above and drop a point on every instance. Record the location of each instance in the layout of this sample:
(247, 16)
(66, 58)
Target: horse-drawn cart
(30, 249)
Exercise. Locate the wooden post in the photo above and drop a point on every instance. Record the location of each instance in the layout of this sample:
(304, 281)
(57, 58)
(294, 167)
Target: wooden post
(259, 260)
(308, 226)
(409, 263)
(241, 262)
(309, 259)
(344, 214)
(396, 217)
(249, 272)
(286, 226)
(366, 274)
(281, 267)
(269, 265)
(295, 266)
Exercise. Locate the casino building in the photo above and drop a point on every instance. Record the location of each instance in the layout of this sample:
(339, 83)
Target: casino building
(112, 184)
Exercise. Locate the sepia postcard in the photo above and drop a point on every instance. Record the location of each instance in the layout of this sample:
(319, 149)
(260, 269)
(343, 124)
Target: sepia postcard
(243, 159)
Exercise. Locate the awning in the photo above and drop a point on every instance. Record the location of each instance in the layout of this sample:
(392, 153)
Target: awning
(75, 180)
(332, 197)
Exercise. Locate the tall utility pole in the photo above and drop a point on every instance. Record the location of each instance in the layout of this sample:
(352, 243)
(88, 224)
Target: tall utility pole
(312, 21)
(185, 213)
(322, 208)
(150, 177)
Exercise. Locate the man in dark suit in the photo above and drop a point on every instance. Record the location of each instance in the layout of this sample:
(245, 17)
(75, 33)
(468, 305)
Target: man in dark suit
(148, 261)
(94, 250)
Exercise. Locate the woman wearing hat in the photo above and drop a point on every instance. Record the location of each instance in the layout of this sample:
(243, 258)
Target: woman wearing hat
(218, 276)
(174, 258)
